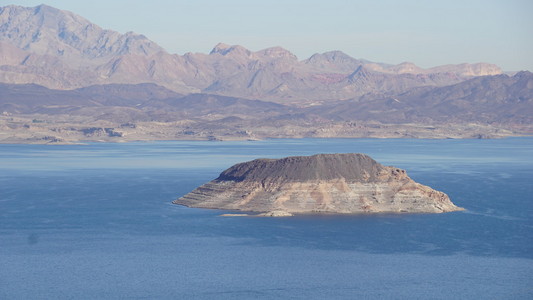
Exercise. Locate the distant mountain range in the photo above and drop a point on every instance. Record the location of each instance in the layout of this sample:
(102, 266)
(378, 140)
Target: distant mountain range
(61, 50)
(62, 78)
(499, 99)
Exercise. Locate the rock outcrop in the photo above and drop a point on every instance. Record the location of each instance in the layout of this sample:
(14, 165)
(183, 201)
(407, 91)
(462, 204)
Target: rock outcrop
(322, 183)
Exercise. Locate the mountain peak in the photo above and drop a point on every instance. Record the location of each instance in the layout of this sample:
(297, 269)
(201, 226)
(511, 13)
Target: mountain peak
(225, 49)
(35, 9)
(46, 30)
(44, 8)
(336, 55)
(524, 74)
(277, 52)
(220, 48)
(334, 60)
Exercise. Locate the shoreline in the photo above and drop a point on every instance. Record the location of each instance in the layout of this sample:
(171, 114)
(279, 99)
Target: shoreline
(23, 131)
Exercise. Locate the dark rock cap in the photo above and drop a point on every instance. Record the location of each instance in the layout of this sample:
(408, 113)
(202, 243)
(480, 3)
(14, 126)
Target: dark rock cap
(350, 166)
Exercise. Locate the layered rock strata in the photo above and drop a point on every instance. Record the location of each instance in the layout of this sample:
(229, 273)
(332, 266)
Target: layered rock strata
(322, 183)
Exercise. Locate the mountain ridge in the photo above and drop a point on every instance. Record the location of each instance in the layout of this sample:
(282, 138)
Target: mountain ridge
(482, 107)
(61, 50)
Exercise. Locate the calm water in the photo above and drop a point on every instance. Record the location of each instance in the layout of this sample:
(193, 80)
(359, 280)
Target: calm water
(96, 221)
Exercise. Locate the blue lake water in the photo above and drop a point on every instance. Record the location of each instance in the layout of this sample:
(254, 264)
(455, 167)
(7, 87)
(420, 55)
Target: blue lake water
(96, 221)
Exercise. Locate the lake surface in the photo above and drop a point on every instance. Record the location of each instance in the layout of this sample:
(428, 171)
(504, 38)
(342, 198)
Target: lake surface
(96, 221)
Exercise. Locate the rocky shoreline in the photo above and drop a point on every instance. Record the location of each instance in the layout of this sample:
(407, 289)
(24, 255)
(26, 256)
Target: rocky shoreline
(41, 129)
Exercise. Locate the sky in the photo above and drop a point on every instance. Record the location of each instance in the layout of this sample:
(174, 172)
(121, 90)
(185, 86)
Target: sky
(428, 33)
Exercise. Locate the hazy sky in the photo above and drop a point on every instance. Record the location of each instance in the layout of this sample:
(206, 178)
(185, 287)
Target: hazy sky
(428, 33)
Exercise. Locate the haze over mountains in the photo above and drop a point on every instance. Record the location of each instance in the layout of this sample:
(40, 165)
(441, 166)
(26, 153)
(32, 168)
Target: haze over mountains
(97, 75)
(62, 50)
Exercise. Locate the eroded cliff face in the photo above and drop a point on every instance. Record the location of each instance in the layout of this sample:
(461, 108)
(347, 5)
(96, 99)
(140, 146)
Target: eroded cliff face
(323, 183)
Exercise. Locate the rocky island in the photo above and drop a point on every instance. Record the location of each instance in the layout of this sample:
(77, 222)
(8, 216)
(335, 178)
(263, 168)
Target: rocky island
(323, 183)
